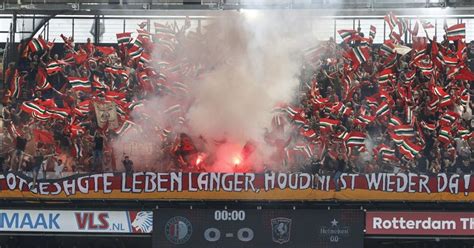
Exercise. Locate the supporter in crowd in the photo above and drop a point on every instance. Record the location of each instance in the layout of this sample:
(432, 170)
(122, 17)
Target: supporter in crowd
(37, 163)
(362, 107)
(58, 168)
(98, 153)
(465, 167)
(370, 167)
(128, 165)
(19, 154)
(340, 168)
(410, 111)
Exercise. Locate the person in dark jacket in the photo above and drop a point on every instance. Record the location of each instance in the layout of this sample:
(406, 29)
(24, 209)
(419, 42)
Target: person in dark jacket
(340, 167)
(128, 164)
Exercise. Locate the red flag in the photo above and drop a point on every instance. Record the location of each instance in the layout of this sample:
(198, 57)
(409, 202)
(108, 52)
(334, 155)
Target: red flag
(385, 151)
(464, 74)
(420, 43)
(450, 61)
(135, 52)
(395, 37)
(445, 135)
(385, 96)
(50, 44)
(124, 38)
(164, 32)
(409, 149)
(414, 32)
(80, 58)
(363, 120)
(43, 136)
(387, 48)
(456, 32)
(448, 119)
(79, 84)
(37, 45)
(340, 108)
(346, 35)
(444, 98)
(402, 26)
(48, 103)
(41, 80)
(372, 32)
(385, 77)
(391, 20)
(355, 138)
(359, 55)
(105, 50)
(31, 107)
(16, 85)
(426, 24)
(390, 61)
(383, 109)
(145, 58)
(53, 67)
(309, 133)
(59, 113)
(327, 124)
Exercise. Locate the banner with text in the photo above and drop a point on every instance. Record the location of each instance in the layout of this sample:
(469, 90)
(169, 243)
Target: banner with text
(278, 228)
(420, 223)
(76, 221)
(243, 186)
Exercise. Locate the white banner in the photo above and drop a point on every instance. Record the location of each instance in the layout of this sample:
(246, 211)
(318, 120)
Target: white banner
(402, 49)
(76, 221)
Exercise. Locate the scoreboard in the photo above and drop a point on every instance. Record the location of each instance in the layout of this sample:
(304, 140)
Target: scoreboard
(229, 228)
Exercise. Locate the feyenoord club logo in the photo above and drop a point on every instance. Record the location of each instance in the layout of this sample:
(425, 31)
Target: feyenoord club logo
(178, 230)
(281, 229)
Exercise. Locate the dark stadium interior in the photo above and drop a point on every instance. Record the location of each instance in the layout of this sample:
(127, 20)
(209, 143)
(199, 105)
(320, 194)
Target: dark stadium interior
(40, 241)
(106, 242)
(411, 243)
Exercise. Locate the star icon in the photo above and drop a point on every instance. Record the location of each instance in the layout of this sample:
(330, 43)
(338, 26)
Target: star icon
(334, 222)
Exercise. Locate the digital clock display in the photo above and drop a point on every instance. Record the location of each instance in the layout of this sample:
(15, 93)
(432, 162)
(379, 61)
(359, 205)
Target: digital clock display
(248, 228)
(230, 215)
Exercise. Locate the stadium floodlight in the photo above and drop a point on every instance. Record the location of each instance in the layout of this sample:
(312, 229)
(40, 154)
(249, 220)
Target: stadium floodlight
(250, 14)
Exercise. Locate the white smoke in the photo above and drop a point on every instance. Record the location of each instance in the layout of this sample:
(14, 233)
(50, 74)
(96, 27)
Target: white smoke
(252, 61)
(258, 53)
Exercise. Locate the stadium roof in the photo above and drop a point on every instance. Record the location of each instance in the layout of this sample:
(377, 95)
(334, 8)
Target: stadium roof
(140, 7)
(340, 8)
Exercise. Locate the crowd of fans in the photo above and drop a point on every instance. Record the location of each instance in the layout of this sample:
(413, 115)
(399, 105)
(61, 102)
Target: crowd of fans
(62, 111)
(389, 108)
(362, 107)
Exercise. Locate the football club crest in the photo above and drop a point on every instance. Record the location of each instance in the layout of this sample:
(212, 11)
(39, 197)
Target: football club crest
(142, 222)
(178, 230)
(281, 230)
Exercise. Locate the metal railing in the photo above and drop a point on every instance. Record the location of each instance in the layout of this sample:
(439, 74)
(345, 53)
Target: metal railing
(151, 4)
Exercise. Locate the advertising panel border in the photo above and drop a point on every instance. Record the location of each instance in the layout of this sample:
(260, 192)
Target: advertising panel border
(285, 228)
(243, 186)
(420, 223)
(76, 221)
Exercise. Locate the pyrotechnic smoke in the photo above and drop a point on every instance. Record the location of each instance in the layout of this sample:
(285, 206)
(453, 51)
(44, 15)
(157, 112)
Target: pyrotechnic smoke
(251, 62)
(256, 67)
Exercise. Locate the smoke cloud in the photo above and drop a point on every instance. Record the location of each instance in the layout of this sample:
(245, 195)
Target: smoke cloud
(251, 61)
